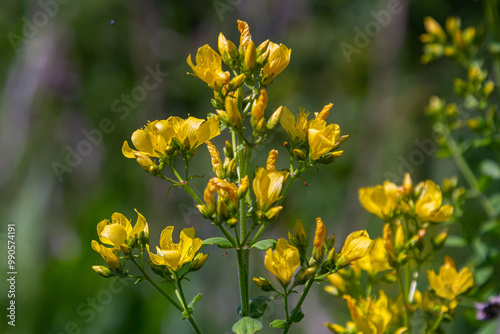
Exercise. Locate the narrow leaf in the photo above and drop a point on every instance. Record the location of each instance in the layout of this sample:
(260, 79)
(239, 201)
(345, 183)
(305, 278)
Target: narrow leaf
(219, 241)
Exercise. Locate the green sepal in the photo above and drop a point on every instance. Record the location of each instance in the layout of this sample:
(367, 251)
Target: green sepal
(279, 323)
(247, 325)
(264, 245)
(219, 241)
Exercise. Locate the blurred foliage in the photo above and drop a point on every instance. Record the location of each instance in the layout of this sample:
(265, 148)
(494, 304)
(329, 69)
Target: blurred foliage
(66, 76)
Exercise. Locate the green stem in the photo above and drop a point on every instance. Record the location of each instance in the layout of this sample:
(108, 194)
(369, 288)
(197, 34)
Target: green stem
(285, 299)
(436, 324)
(182, 299)
(243, 273)
(185, 185)
(469, 176)
(299, 304)
(156, 285)
(405, 297)
(162, 176)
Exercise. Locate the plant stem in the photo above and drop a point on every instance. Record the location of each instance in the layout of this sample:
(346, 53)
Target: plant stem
(405, 297)
(436, 324)
(469, 176)
(182, 299)
(242, 257)
(299, 304)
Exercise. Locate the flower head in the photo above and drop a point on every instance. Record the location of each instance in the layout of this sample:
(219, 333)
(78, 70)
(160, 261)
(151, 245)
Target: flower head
(428, 206)
(193, 131)
(296, 127)
(376, 261)
(209, 67)
(370, 316)
(108, 255)
(267, 185)
(283, 261)
(279, 57)
(449, 284)
(175, 255)
(356, 246)
(323, 140)
(119, 231)
(380, 200)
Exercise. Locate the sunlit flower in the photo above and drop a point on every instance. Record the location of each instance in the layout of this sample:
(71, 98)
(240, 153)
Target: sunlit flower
(283, 261)
(175, 255)
(449, 284)
(209, 67)
(376, 260)
(380, 200)
(356, 246)
(119, 231)
(428, 206)
(153, 140)
(193, 131)
(324, 140)
(296, 127)
(108, 255)
(279, 57)
(267, 187)
(370, 316)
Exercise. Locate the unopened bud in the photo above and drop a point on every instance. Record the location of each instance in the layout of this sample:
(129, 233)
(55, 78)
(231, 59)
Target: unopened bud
(304, 275)
(263, 284)
(439, 240)
(236, 82)
(231, 222)
(275, 118)
(273, 212)
(407, 184)
(299, 155)
(103, 271)
(198, 262)
(250, 57)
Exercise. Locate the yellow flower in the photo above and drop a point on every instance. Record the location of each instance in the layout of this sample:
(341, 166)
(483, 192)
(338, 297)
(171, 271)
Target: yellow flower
(324, 139)
(175, 255)
(370, 316)
(153, 140)
(283, 261)
(449, 284)
(380, 200)
(428, 205)
(193, 131)
(245, 36)
(119, 231)
(356, 246)
(209, 67)
(279, 57)
(337, 329)
(296, 127)
(227, 49)
(108, 255)
(267, 187)
(376, 260)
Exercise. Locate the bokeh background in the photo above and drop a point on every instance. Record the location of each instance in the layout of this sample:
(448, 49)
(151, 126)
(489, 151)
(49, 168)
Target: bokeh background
(69, 72)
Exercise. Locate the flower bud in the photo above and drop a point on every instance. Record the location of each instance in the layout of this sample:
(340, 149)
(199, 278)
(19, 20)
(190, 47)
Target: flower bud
(236, 82)
(103, 271)
(275, 118)
(233, 113)
(439, 240)
(231, 222)
(273, 212)
(407, 184)
(227, 49)
(263, 284)
(198, 262)
(299, 155)
(250, 57)
(303, 276)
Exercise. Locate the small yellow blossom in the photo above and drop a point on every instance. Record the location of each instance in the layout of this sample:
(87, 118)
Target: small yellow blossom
(277, 61)
(175, 255)
(108, 255)
(380, 200)
(193, 131)
(283, 261)
(232, 111)
(320, 237)
(209, 67)
(370, 316)
(449, 284)
(428, 205)
(376, 261)
(296, 127)
(323, 139)
(356, 246)
(267, 187)
(227, 49)
(119, 231)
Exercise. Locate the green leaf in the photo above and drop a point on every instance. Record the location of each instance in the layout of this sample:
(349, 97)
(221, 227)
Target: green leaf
(456, 241)
(490, 168)
(299, 316)
(247, 325)
(279, 323)
(258, 306)
(219, 241)
(264, 245)
(195, 300)
(482, 275)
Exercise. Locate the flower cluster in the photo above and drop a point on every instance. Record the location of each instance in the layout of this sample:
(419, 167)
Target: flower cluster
(408, 212)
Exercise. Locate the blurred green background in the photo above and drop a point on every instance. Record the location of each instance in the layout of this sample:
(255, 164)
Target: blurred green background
(70, 95)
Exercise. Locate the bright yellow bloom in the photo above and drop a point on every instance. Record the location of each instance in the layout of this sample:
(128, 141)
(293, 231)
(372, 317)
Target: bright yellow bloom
(380, 200)
(267, 187)
(279, 57)
(107, 254)
(175, 255)
(370, 316)
(232, 111)
(119, 231)
(324, 140)
(193, 131)
(245, 36)
(356, 246)
(449, 284)
(428, 206)
(283, 261)
(153, 140)
(376, 260)
(209, 67)
(296, 127)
